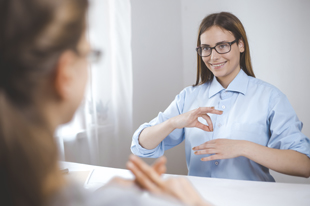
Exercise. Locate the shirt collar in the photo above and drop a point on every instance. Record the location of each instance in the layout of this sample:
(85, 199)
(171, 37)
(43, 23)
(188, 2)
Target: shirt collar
(239, 84)
(215, 87)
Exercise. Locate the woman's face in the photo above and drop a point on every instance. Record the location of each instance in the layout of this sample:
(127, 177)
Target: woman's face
(224, 66)
(81, 72)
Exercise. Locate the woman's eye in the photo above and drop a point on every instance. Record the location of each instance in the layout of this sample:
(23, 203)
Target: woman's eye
(205, 48)
(222, 46)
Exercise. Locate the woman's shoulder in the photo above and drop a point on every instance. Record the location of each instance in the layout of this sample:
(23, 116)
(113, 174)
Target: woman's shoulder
(191, 92)
(196, 89)
(258, 85)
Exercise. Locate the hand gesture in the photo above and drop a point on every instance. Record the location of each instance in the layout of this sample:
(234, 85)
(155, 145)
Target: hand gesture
(179, 188)
(220, 148)
(190, 119)
(159, 167)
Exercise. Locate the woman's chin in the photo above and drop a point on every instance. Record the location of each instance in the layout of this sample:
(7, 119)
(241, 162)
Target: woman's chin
(218, 73)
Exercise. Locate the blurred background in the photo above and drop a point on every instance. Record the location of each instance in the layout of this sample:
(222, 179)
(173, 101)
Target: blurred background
(149, 57)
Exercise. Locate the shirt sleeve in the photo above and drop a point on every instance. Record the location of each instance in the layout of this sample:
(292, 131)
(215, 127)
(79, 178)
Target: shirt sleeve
(285, 127)
(173, 139)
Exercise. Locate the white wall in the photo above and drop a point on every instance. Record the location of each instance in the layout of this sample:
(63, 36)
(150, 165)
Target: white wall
(164, 36)
(157, 65)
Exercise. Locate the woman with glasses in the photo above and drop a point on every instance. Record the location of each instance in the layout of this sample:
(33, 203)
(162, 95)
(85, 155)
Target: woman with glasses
(43, 73)
(234, 125)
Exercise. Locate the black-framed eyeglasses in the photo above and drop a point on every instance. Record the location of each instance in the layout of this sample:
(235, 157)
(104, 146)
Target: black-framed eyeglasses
(221, 48)
(94, 56)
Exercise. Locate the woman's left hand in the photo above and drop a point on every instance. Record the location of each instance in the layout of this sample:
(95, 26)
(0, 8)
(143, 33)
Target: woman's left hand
(220, 148)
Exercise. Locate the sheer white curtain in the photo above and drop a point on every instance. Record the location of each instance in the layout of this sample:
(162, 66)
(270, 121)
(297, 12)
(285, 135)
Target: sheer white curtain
(102, 128)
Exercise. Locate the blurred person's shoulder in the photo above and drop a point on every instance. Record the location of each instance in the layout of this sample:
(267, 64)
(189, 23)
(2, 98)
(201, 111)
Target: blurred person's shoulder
(71, 194)
(74, 194)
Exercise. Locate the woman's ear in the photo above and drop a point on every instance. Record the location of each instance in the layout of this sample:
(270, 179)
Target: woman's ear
(64, 76)
(241, 46)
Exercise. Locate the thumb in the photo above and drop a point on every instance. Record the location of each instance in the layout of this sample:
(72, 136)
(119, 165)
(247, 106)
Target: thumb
(160, 165)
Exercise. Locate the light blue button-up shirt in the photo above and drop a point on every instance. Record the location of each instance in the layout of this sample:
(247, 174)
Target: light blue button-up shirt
(253, 110)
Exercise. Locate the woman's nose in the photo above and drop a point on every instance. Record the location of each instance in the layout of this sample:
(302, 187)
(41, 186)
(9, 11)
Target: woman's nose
(214, 55)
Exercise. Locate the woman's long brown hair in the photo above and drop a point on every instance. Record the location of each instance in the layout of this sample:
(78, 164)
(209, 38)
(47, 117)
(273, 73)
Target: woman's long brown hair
(33, 34)
(230, 23)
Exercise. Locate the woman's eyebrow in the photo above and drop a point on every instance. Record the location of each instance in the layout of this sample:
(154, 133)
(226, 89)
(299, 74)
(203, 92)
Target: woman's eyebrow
(221, 42)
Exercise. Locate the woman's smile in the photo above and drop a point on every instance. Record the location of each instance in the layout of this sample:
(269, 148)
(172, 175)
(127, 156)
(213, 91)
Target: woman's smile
(217, 66)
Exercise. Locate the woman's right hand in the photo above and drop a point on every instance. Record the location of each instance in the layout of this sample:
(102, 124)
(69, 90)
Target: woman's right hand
(149, 179)
(190, 118)
(151, 137)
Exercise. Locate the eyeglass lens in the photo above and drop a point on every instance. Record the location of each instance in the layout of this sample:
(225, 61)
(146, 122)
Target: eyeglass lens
(94, 56)
(220, 48)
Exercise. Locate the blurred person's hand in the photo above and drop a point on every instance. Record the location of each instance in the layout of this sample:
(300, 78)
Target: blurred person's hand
(159, 167)
(148, 178)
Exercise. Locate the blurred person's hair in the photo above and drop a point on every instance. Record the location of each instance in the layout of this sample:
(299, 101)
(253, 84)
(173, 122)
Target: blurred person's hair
(33, 35)
(230, 23)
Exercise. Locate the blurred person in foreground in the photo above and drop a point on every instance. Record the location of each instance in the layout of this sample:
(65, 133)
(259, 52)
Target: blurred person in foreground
(43, 74)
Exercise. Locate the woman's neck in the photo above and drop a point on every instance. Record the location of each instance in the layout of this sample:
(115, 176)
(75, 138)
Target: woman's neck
(226, 80)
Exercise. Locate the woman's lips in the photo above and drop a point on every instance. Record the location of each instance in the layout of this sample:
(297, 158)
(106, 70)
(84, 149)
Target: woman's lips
(218, 65)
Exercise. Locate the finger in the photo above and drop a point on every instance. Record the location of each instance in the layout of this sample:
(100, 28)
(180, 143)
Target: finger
(147, 170)
(208, 119)
(206, 151)
(207, 145)
(205, 110)
(160, 165)
(142, 179)
(162, 170)
(121, 181)
(211, 157)
(202, 126)
(183, 190)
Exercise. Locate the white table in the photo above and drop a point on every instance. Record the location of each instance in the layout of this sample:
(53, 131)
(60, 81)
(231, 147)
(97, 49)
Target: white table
(217, 191)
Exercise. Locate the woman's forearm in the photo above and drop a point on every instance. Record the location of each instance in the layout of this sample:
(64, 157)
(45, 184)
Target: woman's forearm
(284, 161)
(151, 137)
